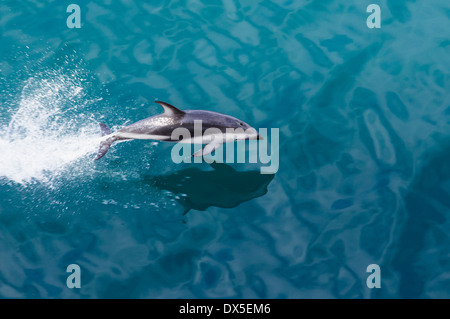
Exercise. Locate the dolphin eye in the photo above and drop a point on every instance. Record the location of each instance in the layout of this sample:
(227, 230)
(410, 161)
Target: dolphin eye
(241, 124)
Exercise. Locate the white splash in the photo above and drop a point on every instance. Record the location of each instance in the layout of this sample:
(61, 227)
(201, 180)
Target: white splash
(48, 132)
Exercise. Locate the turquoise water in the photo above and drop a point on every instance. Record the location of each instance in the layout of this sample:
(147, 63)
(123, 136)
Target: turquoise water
(364, 173)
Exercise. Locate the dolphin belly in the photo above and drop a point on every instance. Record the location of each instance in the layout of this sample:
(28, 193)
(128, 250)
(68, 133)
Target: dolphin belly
(142, 136)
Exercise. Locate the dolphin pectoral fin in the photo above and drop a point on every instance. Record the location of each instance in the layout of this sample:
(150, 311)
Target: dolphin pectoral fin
(198, 153)
(104, 147)
(208, 149)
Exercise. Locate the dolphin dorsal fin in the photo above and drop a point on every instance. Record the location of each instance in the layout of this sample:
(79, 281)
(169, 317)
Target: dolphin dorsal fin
(169, 110)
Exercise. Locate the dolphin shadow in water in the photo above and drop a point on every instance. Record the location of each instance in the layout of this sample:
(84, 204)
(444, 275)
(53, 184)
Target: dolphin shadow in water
(222, 187)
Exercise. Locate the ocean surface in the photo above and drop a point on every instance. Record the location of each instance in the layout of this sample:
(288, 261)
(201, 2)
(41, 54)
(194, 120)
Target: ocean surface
(364, 149)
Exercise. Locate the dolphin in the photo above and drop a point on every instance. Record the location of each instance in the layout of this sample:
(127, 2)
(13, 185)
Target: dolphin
(161, 126)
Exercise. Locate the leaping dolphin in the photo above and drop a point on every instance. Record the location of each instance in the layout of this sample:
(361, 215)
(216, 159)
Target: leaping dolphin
(161, 126)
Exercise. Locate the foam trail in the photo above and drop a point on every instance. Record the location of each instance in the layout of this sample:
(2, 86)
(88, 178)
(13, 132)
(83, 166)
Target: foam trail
(48, 133)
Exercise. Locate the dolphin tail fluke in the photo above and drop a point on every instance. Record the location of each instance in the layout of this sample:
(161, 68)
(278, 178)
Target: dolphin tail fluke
(104, 147)
(105, 129)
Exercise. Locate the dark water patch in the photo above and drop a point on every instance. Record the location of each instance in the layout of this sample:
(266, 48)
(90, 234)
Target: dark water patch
(342, 204)
(382, 141)
(400, 11)
(317, 54)
(337, 43)
(396, 106)
(426, 204)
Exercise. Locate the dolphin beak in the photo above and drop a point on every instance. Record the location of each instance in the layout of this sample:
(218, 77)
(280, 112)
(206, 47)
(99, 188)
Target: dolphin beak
(260, 137)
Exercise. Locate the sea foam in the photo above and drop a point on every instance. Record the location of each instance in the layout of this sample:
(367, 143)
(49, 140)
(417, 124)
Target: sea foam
(47, 132)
